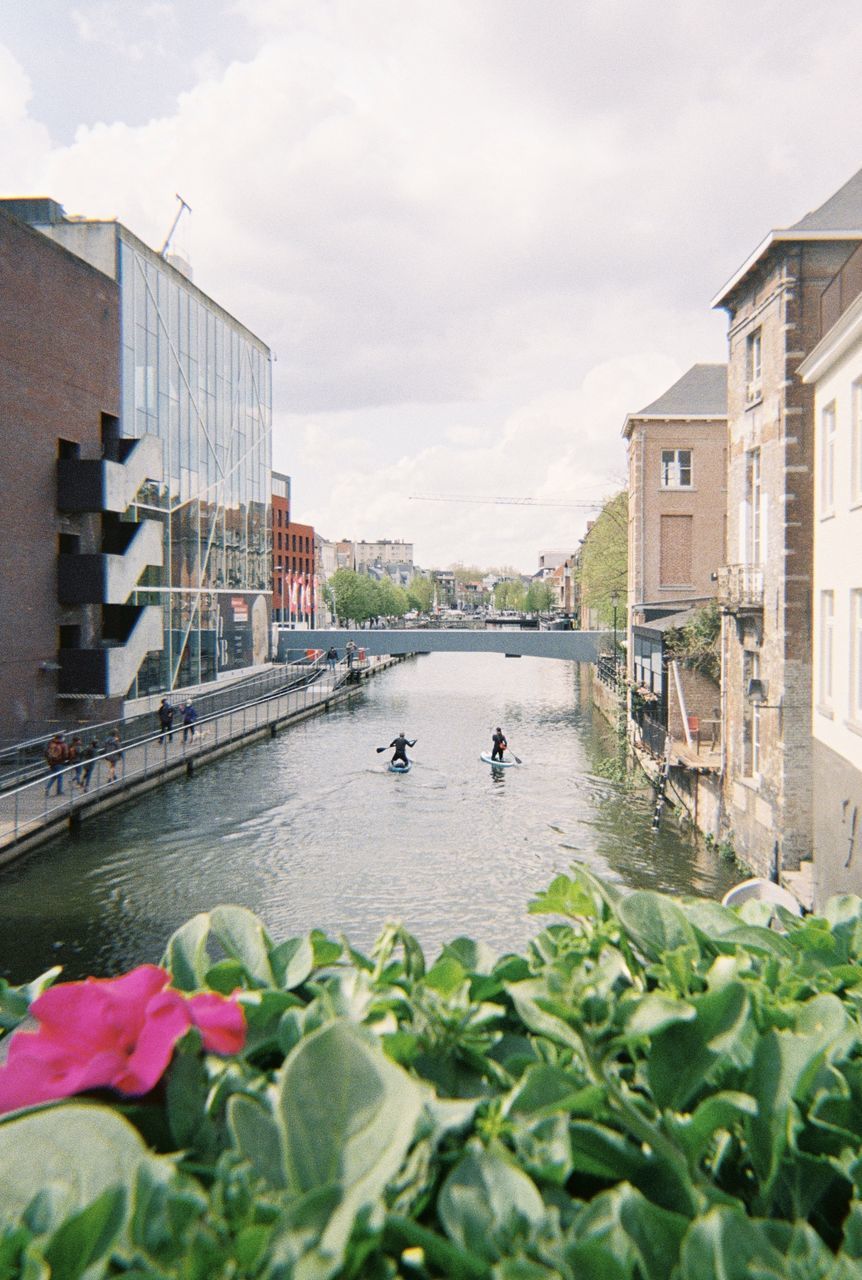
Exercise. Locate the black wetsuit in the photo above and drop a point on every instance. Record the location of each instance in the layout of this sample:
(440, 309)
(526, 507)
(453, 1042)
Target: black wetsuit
(401, 744)
(500, 745)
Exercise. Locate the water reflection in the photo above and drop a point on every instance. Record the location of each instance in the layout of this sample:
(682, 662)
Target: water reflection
(312, 830)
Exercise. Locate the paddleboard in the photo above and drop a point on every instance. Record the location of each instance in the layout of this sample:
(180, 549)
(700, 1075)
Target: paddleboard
(496, 764)
(400, 768)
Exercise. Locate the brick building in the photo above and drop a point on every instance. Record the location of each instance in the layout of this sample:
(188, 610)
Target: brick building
(59, 398)
(774, 320)
(294, 571)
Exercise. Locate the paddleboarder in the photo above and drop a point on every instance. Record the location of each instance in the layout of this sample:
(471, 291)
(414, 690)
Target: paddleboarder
(500, 744)
(401, 744)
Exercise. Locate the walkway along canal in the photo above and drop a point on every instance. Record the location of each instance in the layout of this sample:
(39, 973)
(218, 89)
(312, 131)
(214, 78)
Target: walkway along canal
(309, 829)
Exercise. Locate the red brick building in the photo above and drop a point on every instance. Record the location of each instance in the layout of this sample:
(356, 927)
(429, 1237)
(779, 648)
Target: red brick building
(59, 400)
(294, 587)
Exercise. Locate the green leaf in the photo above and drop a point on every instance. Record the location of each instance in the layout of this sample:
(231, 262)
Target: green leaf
(652, 1013)
(244, 938)
(683, 1055)
(186, 955)
(727, 1244)
(446, 975)
(721, 1111)
(86, 1236)
(484, 1194)
(348, 1115)
(474, 957)
(293, 961)
(564, 897)
(257, 1136)
(80, 1148)
(654, 923)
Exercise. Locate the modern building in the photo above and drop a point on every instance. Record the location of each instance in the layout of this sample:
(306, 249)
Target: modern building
(778, 307)
(186, 458)
(834, 370)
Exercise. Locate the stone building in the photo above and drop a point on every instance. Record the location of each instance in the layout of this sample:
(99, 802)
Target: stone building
(773, 304)
(834, 370)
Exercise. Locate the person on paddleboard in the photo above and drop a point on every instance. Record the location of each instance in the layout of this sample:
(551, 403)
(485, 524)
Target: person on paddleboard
(401, 744)
(500, 744)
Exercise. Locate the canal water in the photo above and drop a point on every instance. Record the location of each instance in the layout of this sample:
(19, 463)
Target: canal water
(310, 829)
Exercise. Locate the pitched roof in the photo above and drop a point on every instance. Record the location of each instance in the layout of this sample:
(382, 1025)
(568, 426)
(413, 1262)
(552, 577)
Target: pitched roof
(700, 393)
(841, 212)
(838, 218)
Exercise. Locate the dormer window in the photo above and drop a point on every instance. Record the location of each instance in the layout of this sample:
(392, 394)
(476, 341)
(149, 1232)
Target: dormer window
(676, 468)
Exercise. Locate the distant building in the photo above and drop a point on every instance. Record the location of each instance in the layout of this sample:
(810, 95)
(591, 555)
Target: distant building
(295, 585)
(166, 523)
(390, 557)
(834, 370)
(777, 305)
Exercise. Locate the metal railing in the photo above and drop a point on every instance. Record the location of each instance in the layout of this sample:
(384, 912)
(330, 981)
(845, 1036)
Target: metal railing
(740, 586)
(58, 794)
(25, 760)
(610, 671)
(653, 735)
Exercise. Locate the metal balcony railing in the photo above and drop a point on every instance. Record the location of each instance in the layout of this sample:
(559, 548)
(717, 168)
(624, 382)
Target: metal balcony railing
(740, 586)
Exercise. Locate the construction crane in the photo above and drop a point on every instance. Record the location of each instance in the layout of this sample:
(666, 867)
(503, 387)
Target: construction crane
(506, 502)
(169, 237)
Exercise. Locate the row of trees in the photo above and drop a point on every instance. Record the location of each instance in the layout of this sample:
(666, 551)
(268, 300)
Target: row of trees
(354, 597)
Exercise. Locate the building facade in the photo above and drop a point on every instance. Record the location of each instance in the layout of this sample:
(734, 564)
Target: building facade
(774, 307)
(834, 370)
(59, 401)
(196, 384)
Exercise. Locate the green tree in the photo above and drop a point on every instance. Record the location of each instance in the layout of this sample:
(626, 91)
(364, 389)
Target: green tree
(698, 643)
(354, 596)
(604, 560)
(391, 599)
(541, 597)
(510, 594)
(420, 593)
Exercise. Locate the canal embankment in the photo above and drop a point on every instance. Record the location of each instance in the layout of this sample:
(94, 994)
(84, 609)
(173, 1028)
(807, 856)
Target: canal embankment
(31, 814)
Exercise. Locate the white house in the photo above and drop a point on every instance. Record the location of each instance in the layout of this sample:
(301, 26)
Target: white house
(834, 369)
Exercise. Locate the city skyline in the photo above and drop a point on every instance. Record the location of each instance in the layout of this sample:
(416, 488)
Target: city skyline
(475, 237)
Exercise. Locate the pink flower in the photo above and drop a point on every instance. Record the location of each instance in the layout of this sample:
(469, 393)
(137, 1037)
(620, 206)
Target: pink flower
(115, 1033)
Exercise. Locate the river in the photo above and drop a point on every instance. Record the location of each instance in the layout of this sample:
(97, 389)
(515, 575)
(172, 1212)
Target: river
(310, 830)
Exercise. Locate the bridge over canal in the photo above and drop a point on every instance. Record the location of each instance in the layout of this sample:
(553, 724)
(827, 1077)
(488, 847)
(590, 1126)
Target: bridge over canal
(570, 646)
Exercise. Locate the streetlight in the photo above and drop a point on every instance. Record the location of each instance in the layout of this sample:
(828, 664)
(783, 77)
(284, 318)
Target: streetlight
(615, 599)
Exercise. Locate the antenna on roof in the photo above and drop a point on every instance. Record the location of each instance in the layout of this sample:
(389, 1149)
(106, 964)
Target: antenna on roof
(170, 234)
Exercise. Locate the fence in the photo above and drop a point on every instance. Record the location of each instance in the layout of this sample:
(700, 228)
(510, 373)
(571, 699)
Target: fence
(653, 735)
(610, 671)
(59, 795)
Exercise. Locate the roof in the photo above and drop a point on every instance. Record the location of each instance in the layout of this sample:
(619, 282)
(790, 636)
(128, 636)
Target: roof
(699, 393)
(838, 218)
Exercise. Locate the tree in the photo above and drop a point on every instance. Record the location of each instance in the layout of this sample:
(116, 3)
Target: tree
(391, 599)
(603, 568)
(510, 594)
(354, 596)
(420, 593)
(541, 596)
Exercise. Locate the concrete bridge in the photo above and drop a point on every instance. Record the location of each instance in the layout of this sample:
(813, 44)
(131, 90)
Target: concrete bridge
(571, 646)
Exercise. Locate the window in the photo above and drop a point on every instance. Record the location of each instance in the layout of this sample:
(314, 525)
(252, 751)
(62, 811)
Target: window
(856, 656)
(675, 567)
(754, 508)
(753, 367)
(676, 468)
(856, 446)
(827, 650)
(827, 461)
(751, 718)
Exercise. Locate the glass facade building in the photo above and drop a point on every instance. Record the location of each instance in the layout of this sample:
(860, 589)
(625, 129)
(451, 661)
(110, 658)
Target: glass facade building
(195, 378)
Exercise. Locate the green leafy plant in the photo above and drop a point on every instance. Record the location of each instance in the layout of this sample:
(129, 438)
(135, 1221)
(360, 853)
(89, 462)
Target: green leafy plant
(657, 1089)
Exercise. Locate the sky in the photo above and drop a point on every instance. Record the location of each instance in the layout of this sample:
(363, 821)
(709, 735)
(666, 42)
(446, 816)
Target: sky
(474, 233)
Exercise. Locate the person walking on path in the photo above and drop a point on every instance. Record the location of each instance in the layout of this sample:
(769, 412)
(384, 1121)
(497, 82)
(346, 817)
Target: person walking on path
(190, 715)
(166, 720)
(114, 753)
(500, 744)
(76, 746)
(331, 657)
(350, 650)
(57, 757)
(401, 744)
(88, 761)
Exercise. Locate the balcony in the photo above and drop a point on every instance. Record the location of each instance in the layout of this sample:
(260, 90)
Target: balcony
(740, 587)
(85, 485)
(109, 670)
(110, 578)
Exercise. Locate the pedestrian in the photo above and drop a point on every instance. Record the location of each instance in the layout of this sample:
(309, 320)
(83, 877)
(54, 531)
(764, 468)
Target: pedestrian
(57, 757)
(190, 715)
(114, 753)
(331, 657)
(88, 758)
(400, 753)
(76, 746)
(350, 650)
(166, 720)
(500, 744)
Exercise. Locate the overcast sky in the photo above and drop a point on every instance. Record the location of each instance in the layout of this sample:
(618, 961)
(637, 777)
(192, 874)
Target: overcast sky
(475, 233)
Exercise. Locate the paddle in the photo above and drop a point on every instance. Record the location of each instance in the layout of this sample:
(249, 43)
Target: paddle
(517, 759)
(415, 740)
